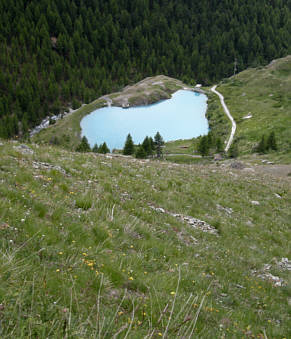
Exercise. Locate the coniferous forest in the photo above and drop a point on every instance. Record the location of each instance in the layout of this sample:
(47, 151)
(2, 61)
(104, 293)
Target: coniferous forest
(56, 53)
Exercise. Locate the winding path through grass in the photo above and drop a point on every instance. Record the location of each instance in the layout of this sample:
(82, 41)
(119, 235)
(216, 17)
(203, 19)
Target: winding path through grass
(226, 110)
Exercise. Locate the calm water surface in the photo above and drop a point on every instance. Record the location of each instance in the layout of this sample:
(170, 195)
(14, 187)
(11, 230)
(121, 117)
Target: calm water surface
(181, 117)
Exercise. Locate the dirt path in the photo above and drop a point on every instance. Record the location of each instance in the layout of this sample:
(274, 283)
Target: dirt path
(187, 155)
(226, 110)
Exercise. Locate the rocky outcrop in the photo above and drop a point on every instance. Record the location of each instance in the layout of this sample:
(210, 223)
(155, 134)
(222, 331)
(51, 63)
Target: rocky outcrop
(191, 221)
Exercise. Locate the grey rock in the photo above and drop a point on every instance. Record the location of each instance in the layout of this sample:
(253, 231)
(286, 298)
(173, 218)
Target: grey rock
(277, 281)
(46, 166)
(255, 203)
(227, 210)
(24, 149)
(237, 165)
(285, 264)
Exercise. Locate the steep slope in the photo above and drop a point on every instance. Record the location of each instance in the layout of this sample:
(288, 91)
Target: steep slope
(95, 246)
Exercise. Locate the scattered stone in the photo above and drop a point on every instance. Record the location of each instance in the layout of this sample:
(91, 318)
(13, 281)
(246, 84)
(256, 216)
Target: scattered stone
(240, 286)
(217, 157)
(285, 264)
(267, 267)
(46, 121)
(24, 149)
(277, 195)
(270, 163)
(278, 282)
(193, 222)
(237, 165)
(249, 223)
(249, 116)
(158, 209)
(125, 196)
(1, 144)
(255, 203)
(227, 210)
(46, 166)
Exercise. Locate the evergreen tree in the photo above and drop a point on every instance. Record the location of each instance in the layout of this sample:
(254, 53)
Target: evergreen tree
(95, 148)
(128, 148)
(147, 146)
(140, 152)
(271, 142)
(262, 146)
(64, 54)
(203, 146)
(233, 151)
(159, 142)
(83, 146)
(219, 146)
(152, 143)
(103, 148)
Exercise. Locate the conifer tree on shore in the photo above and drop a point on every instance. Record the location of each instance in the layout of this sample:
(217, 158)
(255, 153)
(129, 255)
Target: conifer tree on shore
(128, 148)
(159, 142)
(84, 146)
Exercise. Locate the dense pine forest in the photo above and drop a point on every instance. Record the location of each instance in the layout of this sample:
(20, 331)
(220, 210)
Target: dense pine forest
(56, 53)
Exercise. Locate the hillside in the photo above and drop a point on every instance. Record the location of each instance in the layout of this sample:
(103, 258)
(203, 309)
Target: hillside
(56, 54)
(260, 102)
(102, 246)
(258, 98)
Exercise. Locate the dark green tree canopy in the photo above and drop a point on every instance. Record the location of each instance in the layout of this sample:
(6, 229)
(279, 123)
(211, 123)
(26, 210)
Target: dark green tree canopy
(204, 145)
(84, 146)
(159, 142)
(140, 152)
(128, 146)
(103, 148)
(60, 53)
(147, 146)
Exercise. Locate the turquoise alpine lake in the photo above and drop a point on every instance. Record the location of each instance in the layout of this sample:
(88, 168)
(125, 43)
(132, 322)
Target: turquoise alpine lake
(181, 117)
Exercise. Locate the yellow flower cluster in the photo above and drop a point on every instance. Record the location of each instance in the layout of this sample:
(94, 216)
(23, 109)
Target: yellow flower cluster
(90, 263)
(211, 309)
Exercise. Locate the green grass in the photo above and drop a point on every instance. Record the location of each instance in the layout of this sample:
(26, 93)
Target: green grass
(264, 93)
(84, 255)
(68, 129)
(186, 159)
(180, 147)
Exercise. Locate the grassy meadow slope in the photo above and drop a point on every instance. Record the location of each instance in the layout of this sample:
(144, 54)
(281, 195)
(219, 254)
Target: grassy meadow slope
(265, 94)
(91, 247)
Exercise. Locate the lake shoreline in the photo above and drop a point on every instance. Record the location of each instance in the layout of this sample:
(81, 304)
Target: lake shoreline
(151, 90)
(183, 116)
